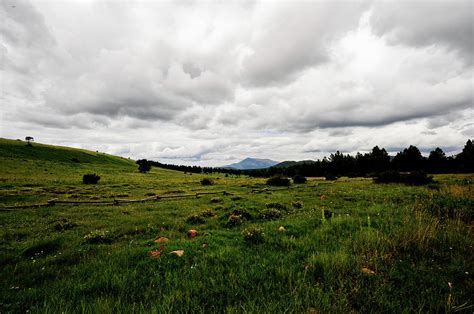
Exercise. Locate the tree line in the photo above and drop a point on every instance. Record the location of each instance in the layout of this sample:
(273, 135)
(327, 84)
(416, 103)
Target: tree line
(339, 164)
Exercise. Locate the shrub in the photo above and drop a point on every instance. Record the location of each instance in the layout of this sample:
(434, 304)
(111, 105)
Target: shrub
(216, 200)
(236, 198)
(277, 205)
(43, 247)
(195, 219)
(207, 213)
(253, 235)
(242, 212)
(387, 177)
(90, 178)
(207, 181)
(144, 167)
(269, 213)
(417, 178)
(98, 236)
(297, 204)
(74, 159)
(63, 224)
(233, 221)
(298, 179)
(278, 181)
(326, 214)
(331, 177)
(409, 178)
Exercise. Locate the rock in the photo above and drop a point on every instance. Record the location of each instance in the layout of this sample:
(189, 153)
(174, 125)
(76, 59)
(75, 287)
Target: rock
(205, 245)
(155, 253)
(367, 271)
(161, 239)
(178, 253)
(192, 233)
(281, 229)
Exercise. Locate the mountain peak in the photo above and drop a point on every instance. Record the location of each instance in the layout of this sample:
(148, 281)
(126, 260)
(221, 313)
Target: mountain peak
(252, 163)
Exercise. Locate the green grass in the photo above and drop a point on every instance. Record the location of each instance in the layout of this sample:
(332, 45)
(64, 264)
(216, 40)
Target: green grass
(415, 240)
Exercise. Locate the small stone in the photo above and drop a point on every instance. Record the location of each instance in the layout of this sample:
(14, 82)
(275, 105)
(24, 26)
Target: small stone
(205, 245)
(367, 271)
(192, 233)
(155, 253)
(281, 229)
(161, 239)
(178, 253)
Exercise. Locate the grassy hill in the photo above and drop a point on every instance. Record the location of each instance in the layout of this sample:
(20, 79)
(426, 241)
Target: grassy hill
(344, 246)
(16, 149)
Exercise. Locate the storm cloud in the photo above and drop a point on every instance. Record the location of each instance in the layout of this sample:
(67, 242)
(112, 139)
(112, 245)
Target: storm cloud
(213, 82)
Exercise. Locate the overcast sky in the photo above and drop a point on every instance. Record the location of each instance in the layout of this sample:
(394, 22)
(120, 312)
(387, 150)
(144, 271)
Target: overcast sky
(213, 82)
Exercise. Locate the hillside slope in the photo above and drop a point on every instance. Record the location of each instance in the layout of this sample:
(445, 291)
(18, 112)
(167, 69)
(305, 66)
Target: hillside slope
(20, 150)
(47, 164)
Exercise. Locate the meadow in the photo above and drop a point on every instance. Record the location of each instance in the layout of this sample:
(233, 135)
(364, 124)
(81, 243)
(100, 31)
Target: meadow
(345, 246)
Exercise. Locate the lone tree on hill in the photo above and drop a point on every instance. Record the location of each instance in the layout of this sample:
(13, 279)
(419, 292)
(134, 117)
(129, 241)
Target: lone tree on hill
(143, 165)
(29, 139)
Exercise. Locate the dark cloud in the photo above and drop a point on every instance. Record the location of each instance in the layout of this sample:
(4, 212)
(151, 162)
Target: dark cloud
(424, 23)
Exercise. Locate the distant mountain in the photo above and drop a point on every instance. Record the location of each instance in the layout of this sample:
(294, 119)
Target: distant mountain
(252, 163)
(285, 164)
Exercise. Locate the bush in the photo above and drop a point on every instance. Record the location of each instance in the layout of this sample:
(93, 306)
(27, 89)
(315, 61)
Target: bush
(278, 181)
(98, 236)
(216, 200)
(207, 213)
(233, 221)
(90, 178)
(327, 214)
(207, 181)
(331, 177)
(277, 205)
(195, 219)
(242, 212)
(417, 178)
(144, 167)
(269, 214)
(74, 159)
(298, 179)
(387, 177)
(410, 178)
(63, 224)
(297, 204)
(253, 235)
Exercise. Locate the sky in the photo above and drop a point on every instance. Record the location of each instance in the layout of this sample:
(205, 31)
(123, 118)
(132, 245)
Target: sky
(212, 82)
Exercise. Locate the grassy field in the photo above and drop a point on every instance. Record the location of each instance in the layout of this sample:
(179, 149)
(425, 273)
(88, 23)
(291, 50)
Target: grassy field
(343, 246)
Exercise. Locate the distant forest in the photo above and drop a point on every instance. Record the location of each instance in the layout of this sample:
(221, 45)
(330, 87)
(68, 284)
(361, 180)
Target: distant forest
(337, 164)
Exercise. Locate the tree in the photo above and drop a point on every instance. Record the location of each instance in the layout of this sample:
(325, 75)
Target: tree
(409, 159)
(437, 161)
(143, 165)
(465, 159)
(29, 139)
(378, 160)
